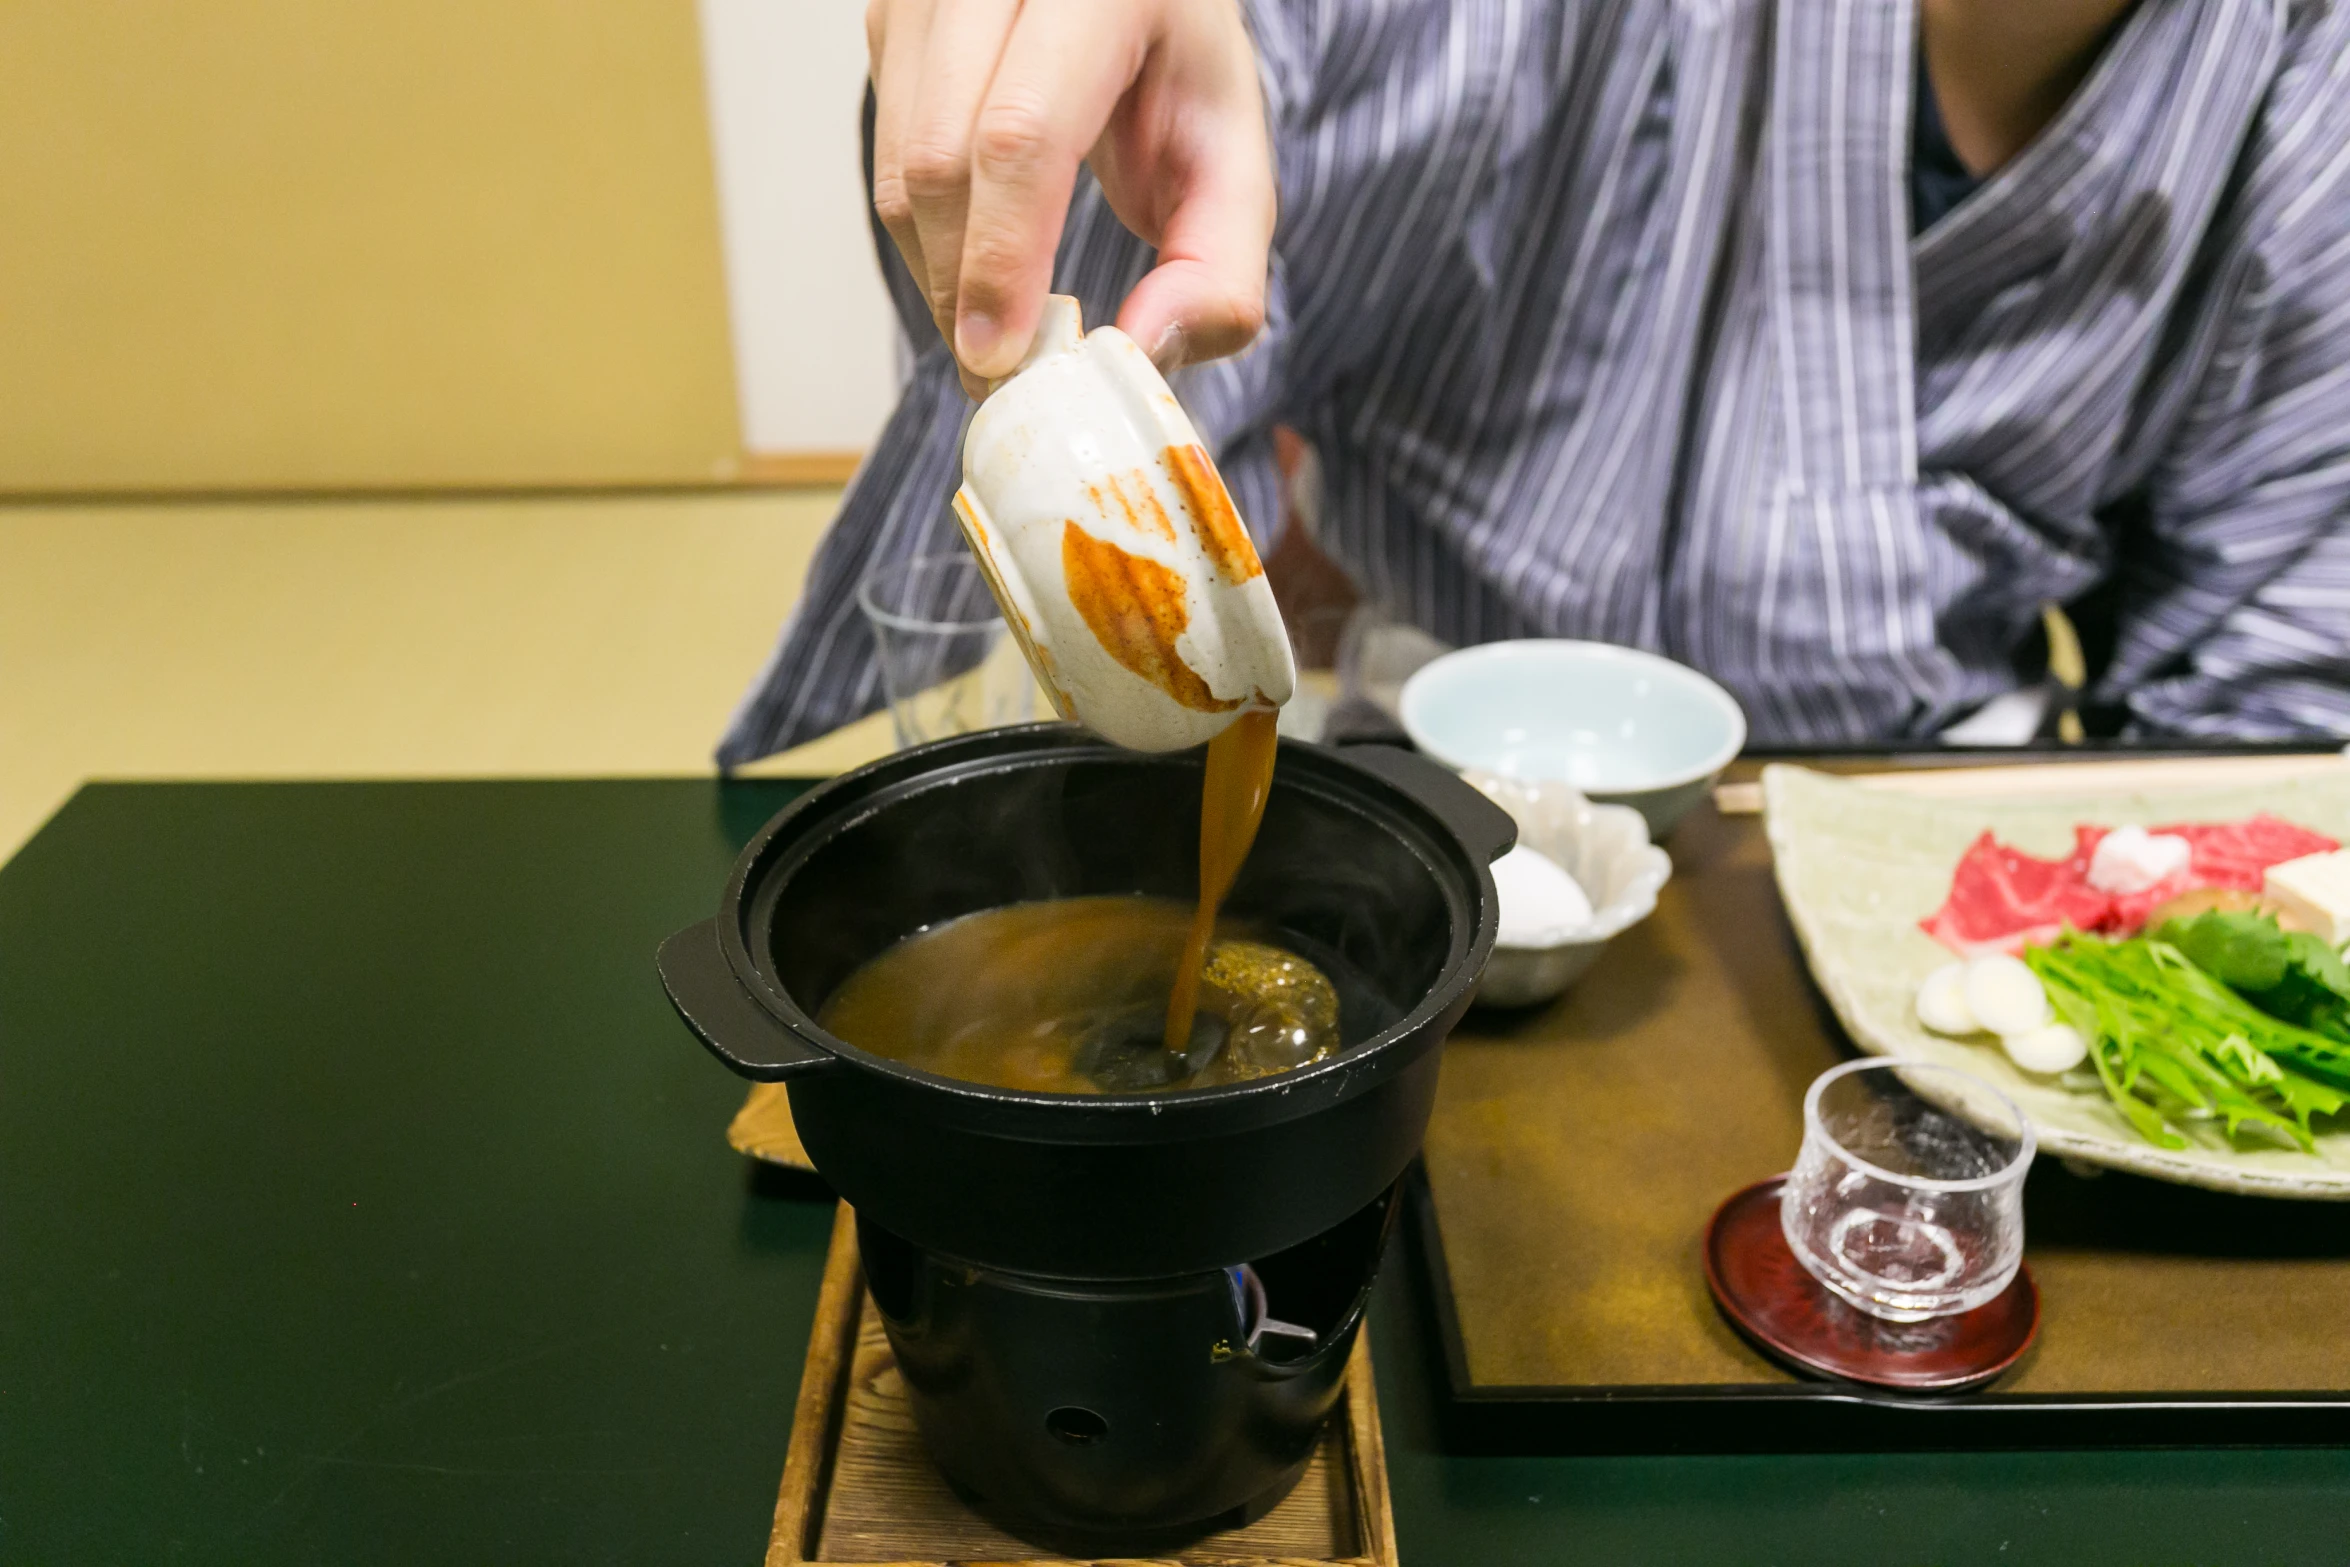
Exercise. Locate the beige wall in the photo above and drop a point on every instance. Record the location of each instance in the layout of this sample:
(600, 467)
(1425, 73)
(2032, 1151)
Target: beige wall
(337, 243)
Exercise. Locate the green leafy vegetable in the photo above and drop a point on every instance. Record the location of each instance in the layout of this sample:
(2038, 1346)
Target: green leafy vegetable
(2246, 951)
(2171, 1043)
(2291, 975)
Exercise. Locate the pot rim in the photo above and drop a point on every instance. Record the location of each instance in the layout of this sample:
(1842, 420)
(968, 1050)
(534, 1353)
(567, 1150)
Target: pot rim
(1060, 1117)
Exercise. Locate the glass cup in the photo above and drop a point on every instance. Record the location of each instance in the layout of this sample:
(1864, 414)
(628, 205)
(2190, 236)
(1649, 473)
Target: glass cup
(949, 665)
(1900, 1207)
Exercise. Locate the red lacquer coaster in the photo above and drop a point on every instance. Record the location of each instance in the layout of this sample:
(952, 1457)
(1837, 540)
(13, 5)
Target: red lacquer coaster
(1789, 1315)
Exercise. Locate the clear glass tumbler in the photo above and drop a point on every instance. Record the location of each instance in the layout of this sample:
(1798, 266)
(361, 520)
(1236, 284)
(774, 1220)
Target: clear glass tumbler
(949, 665)
(1899, 1206)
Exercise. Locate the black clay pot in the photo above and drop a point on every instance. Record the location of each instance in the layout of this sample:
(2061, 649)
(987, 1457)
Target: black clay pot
(1371, 862)
(1060, 1274)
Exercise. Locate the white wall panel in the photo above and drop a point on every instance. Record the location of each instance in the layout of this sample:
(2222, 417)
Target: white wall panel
(815, 344)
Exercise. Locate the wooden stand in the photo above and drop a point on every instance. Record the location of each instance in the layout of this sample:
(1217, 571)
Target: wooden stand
(858, 1487)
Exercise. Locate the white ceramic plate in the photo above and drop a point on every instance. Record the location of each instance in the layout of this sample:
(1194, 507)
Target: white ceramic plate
(1859, 867)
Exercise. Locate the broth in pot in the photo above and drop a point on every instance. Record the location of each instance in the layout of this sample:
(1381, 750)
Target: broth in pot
(1070, 996)
(1107, 994)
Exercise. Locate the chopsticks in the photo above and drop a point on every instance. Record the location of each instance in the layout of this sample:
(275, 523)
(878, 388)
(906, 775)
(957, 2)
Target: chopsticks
(2010, 781)
(2068, 668)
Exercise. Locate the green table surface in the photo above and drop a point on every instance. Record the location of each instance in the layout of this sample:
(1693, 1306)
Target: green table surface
(361, 1200)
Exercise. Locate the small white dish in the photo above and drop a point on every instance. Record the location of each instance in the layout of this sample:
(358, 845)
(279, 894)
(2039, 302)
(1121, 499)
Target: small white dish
(1620, 725)
(1606, 849)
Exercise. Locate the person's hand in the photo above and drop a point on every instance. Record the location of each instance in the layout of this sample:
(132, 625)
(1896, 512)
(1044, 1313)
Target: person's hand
(985, 108)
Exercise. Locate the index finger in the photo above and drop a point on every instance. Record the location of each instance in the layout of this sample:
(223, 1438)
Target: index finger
(893, 33)
(1060, 76)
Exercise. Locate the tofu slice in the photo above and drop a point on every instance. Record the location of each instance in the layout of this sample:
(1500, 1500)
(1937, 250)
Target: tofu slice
(2314, 891)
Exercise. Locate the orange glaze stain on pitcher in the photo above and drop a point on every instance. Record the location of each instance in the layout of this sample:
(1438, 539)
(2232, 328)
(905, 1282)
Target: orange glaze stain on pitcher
(1040, 657)
(1135, 607)
(1221, 533)
(1131, 493)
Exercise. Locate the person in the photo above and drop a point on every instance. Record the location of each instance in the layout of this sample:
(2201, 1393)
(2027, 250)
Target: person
(1816, 343)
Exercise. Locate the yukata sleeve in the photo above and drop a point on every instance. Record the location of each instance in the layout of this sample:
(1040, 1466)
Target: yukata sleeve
(2235, 616)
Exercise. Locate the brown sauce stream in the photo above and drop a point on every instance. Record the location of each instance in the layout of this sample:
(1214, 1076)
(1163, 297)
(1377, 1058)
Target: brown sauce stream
(1232, 802)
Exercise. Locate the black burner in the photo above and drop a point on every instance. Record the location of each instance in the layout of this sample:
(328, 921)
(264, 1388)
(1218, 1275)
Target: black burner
(1068, 1410)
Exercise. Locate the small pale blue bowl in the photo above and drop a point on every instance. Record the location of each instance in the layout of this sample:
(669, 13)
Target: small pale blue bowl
(1620, 725)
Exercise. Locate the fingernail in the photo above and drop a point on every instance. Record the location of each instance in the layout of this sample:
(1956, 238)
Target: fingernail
(976, 338)
(1167, 352)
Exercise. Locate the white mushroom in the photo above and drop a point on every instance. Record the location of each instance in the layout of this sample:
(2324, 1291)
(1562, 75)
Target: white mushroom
(2058, 1047)
(2005, 995)
(1942, 1002)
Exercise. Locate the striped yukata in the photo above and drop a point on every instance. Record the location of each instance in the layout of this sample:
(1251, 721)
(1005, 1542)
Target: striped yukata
(1606, 320)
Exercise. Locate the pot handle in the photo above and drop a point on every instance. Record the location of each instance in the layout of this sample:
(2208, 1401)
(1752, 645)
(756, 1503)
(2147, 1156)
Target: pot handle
(726, 1017)
(1484, 828)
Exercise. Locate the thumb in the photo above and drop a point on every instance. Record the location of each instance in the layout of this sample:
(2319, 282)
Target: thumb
(1206, 296)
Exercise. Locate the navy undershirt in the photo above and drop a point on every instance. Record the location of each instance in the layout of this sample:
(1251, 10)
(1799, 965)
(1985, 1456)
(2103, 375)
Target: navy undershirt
(1937, 180)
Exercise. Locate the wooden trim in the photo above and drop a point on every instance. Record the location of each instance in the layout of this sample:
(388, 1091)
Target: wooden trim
(752, 471)
(809, 468)
(799, 1503)
(1374, 1509)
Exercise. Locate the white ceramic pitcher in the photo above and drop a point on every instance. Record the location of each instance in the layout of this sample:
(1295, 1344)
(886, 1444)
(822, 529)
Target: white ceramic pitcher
(1113, 547)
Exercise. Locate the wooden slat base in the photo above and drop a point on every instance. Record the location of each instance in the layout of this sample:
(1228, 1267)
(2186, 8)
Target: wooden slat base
(858, 1487)
(763, 1129)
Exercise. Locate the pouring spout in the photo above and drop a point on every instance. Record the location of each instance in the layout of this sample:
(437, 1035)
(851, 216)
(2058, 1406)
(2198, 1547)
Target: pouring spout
(1060, 330)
